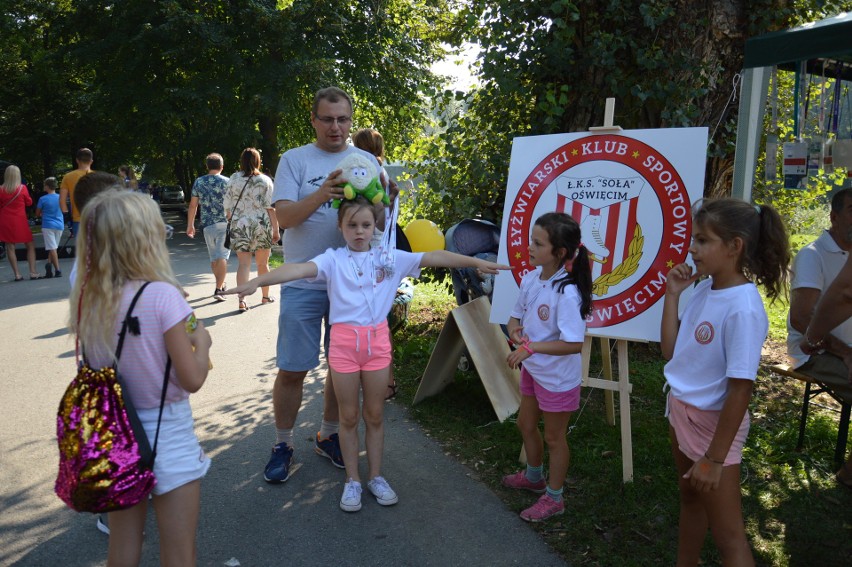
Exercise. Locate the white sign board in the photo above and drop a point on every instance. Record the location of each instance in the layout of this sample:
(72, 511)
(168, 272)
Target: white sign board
(631, 192)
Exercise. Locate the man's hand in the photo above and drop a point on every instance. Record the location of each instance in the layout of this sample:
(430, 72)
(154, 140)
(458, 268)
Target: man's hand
(332, 187)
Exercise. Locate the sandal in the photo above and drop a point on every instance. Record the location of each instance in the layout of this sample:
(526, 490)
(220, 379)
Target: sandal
(391, 391)
(243, 307)
(266, 300)
(36, 277)
(844, 476)
(19, 278)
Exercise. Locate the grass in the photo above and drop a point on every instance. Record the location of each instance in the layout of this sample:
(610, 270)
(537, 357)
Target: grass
(795, 513)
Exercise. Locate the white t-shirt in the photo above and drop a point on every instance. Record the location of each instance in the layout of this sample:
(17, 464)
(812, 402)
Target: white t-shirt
(142, 363)
(721, 336)
(364, 299)
(301, 171)
(548, 315)
(815, 267)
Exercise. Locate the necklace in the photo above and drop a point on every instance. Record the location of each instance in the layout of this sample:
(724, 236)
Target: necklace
(358, 268)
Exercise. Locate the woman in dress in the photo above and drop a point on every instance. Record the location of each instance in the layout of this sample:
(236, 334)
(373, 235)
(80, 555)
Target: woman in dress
(254, 226)
(14, 228)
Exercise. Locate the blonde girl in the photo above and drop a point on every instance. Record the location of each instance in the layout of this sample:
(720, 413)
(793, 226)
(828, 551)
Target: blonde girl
(121, 246)
(713, 350)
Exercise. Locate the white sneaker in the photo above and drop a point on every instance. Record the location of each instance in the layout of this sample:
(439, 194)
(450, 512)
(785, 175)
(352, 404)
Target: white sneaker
(384, 494)
(351, 499)
(102, 524)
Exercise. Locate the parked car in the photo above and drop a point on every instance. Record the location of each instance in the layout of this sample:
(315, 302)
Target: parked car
(171, 194)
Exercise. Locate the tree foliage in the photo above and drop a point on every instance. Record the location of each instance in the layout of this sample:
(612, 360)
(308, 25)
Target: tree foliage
(547, 67)
(161, 83)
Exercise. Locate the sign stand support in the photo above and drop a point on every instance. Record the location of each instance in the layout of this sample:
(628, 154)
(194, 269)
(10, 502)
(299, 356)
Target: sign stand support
(468, 326)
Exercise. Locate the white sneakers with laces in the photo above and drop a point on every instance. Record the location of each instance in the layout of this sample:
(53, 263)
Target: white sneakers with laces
(351, 499)
(384, 494)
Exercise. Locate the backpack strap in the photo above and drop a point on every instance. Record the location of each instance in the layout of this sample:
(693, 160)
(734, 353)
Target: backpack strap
(132, 323)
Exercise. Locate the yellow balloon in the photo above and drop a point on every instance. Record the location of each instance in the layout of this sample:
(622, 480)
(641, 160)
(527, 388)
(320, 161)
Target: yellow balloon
(424, 236)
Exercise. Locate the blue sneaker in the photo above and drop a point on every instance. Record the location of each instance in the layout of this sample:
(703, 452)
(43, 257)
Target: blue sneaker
(330, 449)
(278, 468)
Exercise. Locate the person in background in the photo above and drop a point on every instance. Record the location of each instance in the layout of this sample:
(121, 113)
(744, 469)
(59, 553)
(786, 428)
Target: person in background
(52, 226)
(815, 268)
(14, 226)
(254, 226)
(84, 160)
(126, 173)
(209, 192)
(371, 140)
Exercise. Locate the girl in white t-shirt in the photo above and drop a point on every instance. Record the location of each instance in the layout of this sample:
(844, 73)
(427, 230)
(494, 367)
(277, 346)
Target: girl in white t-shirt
(547, 325)
(121, 246)
(714, 353)
(361, 287)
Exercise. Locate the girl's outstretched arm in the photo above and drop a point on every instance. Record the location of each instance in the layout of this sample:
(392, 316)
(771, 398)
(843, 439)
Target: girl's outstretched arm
(680, 277)
(190, 353)
(447, 259)
(282, 274)
(706, 473)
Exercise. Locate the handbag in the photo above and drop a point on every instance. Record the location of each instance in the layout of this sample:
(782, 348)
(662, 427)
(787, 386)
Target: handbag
(228, 227)
(105, 460)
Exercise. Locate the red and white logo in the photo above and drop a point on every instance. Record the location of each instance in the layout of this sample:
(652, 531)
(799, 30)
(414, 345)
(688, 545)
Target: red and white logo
(629, 261)
(544, 312)
(704, 333)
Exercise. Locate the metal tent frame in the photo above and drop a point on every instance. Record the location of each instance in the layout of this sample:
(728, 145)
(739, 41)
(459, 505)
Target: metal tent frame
(817, 42)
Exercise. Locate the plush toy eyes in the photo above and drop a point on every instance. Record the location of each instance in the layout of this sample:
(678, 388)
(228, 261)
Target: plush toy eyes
(359, 171)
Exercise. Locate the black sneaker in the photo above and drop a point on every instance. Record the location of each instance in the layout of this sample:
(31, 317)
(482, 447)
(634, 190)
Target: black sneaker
(48, 270)
(330, 449)
(218, 294)
(57, 274)
(278, 467)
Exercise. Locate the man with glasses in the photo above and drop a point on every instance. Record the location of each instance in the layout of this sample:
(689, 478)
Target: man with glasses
(306, 182)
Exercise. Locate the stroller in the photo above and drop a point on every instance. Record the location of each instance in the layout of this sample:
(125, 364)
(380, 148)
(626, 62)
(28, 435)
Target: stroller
(473, 237)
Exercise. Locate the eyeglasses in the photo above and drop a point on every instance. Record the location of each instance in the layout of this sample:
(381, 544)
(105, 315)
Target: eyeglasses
(329, 121)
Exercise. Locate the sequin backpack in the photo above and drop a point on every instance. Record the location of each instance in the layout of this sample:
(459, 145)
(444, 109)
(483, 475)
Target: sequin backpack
(105, 460)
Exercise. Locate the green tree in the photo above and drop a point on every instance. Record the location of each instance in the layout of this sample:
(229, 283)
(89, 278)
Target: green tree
(547, 67)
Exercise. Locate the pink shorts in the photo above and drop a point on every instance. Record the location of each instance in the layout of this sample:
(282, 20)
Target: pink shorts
(551, 402)
(354, 348)
(694, 429)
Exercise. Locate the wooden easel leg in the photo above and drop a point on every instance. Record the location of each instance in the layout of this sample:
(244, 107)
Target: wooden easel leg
(624, 407)
(606, 358)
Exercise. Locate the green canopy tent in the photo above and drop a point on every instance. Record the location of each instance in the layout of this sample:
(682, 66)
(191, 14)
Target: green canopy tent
(817, 43)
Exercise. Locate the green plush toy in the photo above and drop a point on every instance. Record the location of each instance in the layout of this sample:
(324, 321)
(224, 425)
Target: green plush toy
(362, 178)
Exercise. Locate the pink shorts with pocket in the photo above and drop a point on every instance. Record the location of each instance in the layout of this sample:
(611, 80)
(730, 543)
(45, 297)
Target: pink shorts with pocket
(551, 402)
(694, 429)
(354, 348)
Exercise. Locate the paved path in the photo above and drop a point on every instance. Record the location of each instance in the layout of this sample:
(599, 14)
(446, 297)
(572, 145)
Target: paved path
(445, 517)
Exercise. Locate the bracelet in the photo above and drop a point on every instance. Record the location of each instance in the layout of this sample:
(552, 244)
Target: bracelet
(706, 456)
(526, 347)
(820, 344)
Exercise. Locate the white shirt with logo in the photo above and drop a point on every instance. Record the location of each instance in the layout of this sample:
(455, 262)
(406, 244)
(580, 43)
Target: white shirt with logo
(721, 336)
(360, 290)
(549, 315)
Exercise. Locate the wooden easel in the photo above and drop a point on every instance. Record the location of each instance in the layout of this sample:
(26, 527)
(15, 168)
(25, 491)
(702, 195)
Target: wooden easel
(468, 326)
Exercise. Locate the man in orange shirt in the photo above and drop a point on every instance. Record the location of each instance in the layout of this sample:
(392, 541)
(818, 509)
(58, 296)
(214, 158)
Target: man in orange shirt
(84, 161)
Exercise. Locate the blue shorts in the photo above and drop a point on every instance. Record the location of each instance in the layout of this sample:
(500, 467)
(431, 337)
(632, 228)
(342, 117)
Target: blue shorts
(214, 236)
(303, 317)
